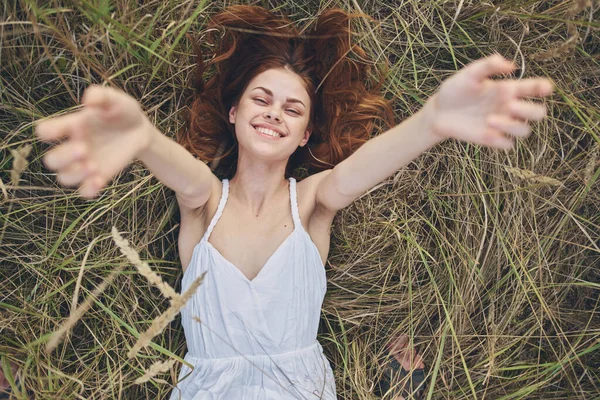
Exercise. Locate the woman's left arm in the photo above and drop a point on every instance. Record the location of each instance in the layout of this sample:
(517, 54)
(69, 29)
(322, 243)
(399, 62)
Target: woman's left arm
(468, 106)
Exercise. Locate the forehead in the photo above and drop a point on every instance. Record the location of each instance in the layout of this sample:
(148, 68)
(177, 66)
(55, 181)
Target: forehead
(281, 82)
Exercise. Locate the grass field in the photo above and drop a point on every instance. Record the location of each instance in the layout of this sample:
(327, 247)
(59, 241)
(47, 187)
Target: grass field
(488, 259)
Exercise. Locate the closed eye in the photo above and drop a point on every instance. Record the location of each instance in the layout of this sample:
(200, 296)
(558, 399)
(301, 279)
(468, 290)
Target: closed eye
(264, 102)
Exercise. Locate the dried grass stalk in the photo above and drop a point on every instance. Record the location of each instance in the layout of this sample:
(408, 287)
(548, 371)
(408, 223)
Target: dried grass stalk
(577, 7)
(177, 301)
(165, 318)
(78, 313)
(532, 176)
(142, 267)
(155, 369)
(564, 49)
(589, 169)
(4, 191)
(568, 46)
(19, 163)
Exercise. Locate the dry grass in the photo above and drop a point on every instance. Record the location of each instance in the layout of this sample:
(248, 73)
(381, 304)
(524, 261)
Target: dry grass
(488, 260)
(155, 369)
(177, 301)
(78, 312)
(19, 163)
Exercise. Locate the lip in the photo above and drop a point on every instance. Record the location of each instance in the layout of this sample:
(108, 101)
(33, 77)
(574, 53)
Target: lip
(271, 127)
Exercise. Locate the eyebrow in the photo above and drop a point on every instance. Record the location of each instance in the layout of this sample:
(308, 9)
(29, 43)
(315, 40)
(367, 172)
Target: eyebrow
(288, 100)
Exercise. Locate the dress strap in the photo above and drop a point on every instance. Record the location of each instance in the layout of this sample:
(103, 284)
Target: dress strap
(215, 219)
(294, 201)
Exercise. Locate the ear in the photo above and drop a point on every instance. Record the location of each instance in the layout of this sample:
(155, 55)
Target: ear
(304, 140)
(232, 113)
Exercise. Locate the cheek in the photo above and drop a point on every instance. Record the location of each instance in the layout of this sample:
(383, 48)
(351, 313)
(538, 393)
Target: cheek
(302, 126)
(298, 129)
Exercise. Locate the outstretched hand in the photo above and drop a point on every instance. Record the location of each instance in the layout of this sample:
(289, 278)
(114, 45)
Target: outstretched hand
(101, 138)
(470, 107)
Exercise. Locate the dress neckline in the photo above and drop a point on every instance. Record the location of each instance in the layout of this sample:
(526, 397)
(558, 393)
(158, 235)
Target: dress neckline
(262, 269)
(217, 216)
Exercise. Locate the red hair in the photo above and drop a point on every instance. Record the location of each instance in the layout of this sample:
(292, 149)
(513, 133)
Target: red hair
(247, 40)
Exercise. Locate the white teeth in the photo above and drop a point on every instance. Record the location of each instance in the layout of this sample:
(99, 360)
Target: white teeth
(267, 131)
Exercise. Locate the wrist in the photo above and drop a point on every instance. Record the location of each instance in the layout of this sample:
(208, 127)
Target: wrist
(150, 137)
(428, 117)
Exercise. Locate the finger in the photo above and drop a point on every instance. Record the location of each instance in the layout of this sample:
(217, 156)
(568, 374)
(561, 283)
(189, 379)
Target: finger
(57, 127)
(411, 360)
(496, 139)
(61, 156)
(98, 96)
(483, 68)
(508, 125)
(104, 99)
(399, 343)
(526, 110)
(91, 186)
(73, 174)
(534, 87)
(419, 361)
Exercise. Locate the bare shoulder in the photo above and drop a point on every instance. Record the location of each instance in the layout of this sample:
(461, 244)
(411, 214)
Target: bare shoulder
(193, 220)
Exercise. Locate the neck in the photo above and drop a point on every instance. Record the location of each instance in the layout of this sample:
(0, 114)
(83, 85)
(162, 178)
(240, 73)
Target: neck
(258, 184)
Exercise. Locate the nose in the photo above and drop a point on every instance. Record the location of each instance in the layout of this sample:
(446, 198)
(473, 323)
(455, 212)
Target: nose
(272, 115)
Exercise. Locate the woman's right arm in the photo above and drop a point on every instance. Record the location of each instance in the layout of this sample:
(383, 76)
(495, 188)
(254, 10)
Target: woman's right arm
(176, 168)
(107, 134)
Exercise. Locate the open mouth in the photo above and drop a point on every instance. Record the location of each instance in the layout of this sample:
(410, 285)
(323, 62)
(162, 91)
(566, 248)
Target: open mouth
(267, 133)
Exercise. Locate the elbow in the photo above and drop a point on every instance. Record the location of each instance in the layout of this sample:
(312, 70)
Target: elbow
(197, 193)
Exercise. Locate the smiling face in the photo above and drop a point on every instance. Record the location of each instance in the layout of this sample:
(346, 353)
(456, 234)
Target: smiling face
(272, 114)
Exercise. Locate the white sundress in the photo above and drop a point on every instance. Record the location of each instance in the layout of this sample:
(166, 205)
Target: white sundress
(256, 339)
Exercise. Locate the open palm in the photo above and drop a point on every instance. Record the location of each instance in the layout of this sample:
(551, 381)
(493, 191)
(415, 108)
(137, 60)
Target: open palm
(470, 107)
(102, 138)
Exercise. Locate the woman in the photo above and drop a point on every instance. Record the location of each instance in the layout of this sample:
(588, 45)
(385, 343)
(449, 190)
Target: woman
(277, 101)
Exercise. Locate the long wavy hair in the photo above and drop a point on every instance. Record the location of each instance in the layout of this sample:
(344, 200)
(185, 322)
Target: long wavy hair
(244, 41)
